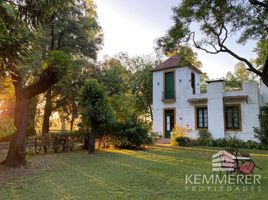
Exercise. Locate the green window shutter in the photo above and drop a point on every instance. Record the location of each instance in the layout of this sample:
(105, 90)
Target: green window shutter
(169, 85)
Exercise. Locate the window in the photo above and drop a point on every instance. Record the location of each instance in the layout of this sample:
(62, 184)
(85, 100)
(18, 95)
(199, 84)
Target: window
(232, 117)
(169, 86)
(193, 82)
(202, 117)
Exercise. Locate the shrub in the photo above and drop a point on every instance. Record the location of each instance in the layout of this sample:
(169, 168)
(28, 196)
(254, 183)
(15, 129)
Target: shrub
(95, 110)
(184, 141)
(179, 135)
(205, 138)
(250, 144)
(235, 142)
(262, 132)
(131, 134)
(220, 142)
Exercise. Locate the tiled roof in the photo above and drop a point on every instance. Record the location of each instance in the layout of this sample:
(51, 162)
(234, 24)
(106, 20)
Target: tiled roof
(173, 62)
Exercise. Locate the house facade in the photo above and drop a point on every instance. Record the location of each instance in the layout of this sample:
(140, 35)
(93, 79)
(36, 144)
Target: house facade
(177, 100)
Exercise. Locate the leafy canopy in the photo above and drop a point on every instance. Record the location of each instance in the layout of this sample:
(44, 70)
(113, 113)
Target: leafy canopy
(95, 109)
(217, 20)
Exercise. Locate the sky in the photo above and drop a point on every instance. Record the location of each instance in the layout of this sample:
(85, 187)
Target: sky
(133, 26)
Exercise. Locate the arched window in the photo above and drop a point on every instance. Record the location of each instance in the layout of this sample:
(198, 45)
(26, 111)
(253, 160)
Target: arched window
(193, 82)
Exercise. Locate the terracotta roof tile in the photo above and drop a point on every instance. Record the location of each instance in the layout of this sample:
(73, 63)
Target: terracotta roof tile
(173, 62)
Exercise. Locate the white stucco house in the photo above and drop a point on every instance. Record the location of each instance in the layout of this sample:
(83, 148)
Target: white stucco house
(177, 100)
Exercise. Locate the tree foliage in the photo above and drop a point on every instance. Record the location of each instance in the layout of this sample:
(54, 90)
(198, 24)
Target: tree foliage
(262, 132)
(203, 82)
(187, 56)
(38, 42)
(141, 83)
(217, 21)
(95, 110)
(128, 82)
(74, 30)
(235, 80)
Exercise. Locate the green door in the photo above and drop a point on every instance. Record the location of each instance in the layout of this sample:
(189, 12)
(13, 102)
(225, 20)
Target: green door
(169, 122)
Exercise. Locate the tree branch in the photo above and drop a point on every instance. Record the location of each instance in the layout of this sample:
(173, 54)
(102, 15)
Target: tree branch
(223, 48)
(47, 79)
(201, 48)
(226, 34)
(259, 3)
(250, 66)
(59, 40)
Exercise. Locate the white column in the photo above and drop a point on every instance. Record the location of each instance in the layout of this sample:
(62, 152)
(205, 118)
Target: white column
(216, 109)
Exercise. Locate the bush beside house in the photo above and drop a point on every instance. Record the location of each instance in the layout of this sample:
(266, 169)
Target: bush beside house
(205, 139)
(262, 132)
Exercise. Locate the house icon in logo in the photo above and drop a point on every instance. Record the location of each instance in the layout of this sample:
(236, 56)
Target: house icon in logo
(223, 161)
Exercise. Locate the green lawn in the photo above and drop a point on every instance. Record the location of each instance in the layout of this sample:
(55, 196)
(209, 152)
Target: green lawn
(155, 173)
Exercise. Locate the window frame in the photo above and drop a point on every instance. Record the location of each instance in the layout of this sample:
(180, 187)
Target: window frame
(197, 117)
(164, 120)
(238, 106)
(164, 87)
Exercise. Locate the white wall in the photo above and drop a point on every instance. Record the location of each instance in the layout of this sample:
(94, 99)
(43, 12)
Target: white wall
(249, 112)
(184, 111)
(157, 102)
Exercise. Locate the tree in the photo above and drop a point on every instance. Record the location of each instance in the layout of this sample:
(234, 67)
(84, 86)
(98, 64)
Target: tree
(73, 30)
(6, 107)
(235, 81)
(19, 22)
(262, 52)
(141, 83)
(114, 76)
(187, 55)
(95, 109)
(262, 132)
(32, 70)
(203, 82)
(241, 72)
(128, 82)
(218, 20)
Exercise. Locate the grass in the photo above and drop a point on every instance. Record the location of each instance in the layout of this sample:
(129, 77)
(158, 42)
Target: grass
(156, 173)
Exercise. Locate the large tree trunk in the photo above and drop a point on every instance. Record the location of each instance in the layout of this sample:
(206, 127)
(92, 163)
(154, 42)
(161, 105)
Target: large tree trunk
(91, 143)
(63, 122)
(47, 113)
(74, 115)
(72, 123)
(16, 154)
(92, 139)
(32, 116)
